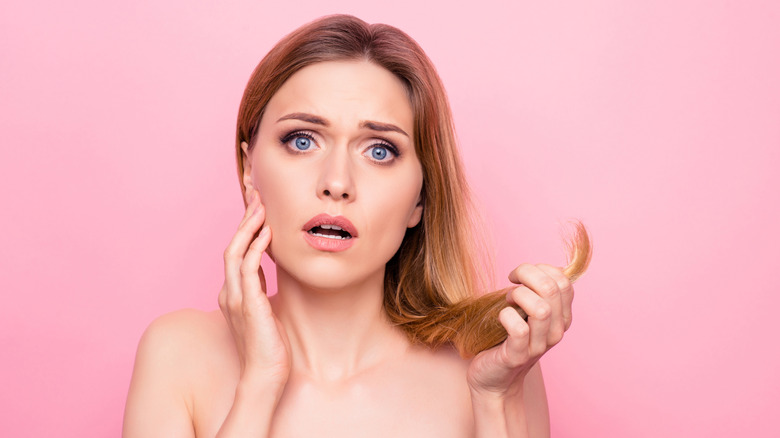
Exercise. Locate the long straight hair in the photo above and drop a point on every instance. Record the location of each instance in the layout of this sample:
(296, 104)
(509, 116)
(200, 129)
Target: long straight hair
(433, 284)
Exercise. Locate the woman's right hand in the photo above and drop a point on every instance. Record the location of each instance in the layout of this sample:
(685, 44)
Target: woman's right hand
(261, 342)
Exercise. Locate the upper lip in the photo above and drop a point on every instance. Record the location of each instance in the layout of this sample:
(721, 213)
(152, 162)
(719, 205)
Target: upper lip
(326, 219)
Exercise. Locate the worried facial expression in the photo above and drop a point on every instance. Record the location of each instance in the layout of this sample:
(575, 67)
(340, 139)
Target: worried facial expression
(335, 164)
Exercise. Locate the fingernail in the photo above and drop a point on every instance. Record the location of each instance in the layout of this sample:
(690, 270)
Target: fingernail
(263, 232)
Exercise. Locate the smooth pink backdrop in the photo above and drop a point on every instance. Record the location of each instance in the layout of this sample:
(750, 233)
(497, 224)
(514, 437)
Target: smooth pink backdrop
(656, 123)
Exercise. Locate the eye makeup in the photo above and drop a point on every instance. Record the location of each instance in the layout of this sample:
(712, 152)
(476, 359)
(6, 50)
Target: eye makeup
(300, 141)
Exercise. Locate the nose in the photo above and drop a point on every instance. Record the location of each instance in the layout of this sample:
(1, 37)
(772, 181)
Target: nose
(336, 180)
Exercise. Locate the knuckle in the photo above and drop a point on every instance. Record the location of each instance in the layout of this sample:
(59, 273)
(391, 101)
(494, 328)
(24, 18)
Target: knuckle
(520, 330)
(556, 335)
(543, 311)
(519, 270)
(565, 285)
(234, 306)
(247, 269)
(230, 254)
(548, 288)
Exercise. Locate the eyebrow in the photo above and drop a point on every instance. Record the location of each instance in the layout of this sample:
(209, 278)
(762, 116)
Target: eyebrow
(382, 127)
(305, 117)
(372, 125)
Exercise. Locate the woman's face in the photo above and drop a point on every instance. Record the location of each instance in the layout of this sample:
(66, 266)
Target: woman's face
(335, 150)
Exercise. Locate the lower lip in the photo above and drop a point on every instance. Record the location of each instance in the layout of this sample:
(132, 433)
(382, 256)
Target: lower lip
(326, 244)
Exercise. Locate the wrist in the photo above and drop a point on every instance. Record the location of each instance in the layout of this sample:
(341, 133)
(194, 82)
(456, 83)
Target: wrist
(264, 377)
(495, 395)
(253, 407)
(254, 388)
(498, 414)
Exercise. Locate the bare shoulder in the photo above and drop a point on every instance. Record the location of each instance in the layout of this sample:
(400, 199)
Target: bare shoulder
(172, 354)
(178, 340)
(443, 360)
(182, 322)
(187, 328)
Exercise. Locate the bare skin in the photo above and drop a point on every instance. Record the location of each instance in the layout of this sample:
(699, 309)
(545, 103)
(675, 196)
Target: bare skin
(320, 358)
(420, 393)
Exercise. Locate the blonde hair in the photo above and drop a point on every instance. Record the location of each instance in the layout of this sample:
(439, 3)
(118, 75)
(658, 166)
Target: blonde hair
(432, 284)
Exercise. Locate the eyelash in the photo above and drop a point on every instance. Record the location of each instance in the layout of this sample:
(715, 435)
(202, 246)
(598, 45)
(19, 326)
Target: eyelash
(286, 139)
(390, 148)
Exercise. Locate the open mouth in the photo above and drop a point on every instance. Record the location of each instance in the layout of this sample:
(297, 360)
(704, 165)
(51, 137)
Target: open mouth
(330, 232)
(331, 227)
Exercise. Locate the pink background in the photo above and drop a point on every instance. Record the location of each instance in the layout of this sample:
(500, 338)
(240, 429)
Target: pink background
(656, 124)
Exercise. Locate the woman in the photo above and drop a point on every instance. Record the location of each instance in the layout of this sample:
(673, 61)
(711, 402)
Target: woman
(353, 185)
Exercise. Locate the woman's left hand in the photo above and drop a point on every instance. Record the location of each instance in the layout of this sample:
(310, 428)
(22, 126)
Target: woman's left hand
(546, 295)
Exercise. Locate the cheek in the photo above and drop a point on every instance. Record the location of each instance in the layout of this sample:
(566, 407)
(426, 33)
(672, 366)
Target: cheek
(392, 207)
(277, 193)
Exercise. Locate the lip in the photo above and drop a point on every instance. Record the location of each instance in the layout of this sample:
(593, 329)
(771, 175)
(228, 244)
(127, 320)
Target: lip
(327, 244)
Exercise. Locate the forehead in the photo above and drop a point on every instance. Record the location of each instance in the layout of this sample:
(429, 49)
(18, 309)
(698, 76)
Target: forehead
(344, 92)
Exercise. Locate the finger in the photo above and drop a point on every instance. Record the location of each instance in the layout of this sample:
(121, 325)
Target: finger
(520, 272)
(547, 288)
(234, 254)
(252, 278)
(222, 299)
(536, 279)
(515, 348)
(567, 291)
(539, 311)
(254, 201)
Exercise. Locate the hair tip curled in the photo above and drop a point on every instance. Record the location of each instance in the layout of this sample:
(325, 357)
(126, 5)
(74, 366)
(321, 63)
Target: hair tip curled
(579, 249)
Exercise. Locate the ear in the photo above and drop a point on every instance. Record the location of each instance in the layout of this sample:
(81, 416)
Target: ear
(246, 176)
(416, 215)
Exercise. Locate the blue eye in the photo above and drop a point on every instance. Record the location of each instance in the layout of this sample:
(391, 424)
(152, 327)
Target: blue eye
(379, 153)
(382, 153)
(299, 142)
(302, 143)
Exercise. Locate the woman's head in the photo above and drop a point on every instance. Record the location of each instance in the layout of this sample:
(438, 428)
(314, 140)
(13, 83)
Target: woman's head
(433, 266)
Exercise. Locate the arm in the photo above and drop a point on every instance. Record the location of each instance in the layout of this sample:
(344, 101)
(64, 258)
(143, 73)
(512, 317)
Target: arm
(157, 402)
(252, 410)
(507, 389)
(497, 417)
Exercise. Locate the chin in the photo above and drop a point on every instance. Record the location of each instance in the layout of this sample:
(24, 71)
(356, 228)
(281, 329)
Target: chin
(329, 271)
(325, 276)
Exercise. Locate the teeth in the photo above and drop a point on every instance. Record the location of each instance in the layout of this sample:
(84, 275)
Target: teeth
(331, 227)
(329, 236)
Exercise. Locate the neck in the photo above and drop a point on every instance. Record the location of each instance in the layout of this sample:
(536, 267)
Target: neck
(336, 333)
